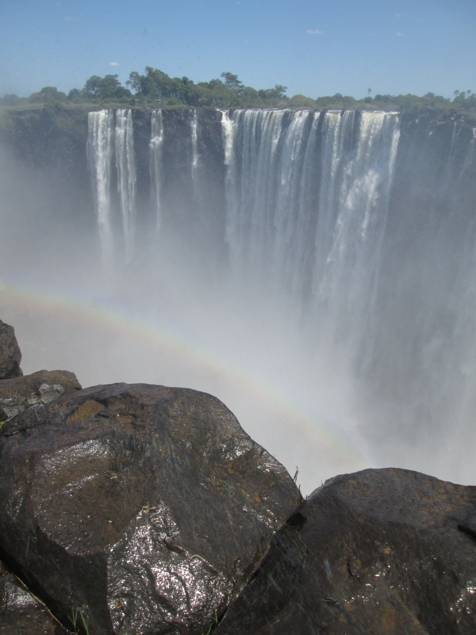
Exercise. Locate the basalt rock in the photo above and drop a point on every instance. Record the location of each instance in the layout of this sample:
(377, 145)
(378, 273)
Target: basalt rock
(10, 355)
(140, 509)
(20, 612)
(380, 552)
(40, 388)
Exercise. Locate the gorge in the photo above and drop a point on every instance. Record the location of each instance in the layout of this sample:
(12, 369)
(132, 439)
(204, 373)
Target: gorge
(327, 256)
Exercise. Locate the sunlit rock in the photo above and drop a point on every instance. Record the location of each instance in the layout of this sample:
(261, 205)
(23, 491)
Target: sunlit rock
(142, 509)
(40, 388)
(379, 552)
(20, 612)
(10, 355)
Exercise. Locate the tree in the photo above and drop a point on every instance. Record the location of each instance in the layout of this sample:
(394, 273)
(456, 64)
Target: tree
(10, 99)
(213, 83)
(107, 87)
(74, 95)
(155, 84)
(232, 81)
(276, 94)
(154, 87)
(280, 91)
(48, 95)
(135, 82)
(301, 101)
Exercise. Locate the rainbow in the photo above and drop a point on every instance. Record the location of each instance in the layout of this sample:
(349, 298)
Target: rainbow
(80, 310)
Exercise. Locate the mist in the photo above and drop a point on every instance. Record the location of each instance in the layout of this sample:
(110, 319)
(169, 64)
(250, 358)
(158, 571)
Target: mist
(315, 271)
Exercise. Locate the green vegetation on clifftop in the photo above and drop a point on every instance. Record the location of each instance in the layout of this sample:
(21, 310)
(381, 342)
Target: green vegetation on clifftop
(154, 88)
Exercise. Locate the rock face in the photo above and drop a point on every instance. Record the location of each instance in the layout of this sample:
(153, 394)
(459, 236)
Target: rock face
(40, 388)
(380, 552)
(141, 509)
(20, 612)
(10, 356)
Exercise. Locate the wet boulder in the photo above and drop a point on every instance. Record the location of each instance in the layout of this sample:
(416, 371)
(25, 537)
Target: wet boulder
(20, 612)
(40, 388)
(379, 552)
(141, 509)
(10, 355)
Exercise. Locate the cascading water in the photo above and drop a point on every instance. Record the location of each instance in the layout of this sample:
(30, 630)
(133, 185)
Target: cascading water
(194, 141)
(307, 197)
(251, 181)
(352, 218)
(326, 257)
(126, 177)
(111, 145)
(100, 137)
(156, 151)
(338, 220)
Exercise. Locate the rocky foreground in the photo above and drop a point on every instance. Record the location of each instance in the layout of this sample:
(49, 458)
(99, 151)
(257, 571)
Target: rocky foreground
(138, 509)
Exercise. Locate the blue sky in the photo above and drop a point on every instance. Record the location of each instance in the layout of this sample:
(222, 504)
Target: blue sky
(314, 47)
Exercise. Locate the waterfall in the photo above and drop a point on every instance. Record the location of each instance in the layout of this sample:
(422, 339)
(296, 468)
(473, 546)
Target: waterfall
(99, 151)
(253, 139)
(126, 177)
(294, 211)
(307, 198)
(227, 135)
(345, 238)
(155, 159)
(357, 176)
(111, 145)
(470, 155)
(329, 255)
(228, 130)
(194, 141)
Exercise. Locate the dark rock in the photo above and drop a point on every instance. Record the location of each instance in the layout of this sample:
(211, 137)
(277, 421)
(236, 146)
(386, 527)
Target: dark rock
(143, 509)
(40, 388)
(373, 553)
(20, 612)
(10, 355)
(469, 525)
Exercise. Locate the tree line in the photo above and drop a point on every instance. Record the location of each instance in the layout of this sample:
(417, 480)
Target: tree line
(154, 88)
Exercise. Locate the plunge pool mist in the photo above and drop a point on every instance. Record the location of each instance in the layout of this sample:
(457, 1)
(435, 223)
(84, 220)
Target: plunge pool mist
(314, 270)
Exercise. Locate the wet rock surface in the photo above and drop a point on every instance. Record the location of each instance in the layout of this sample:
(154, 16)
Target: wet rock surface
(141, 509)
(147, 510)
(37, 389)
(20, 612)
(378, 552)
(10, 355)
